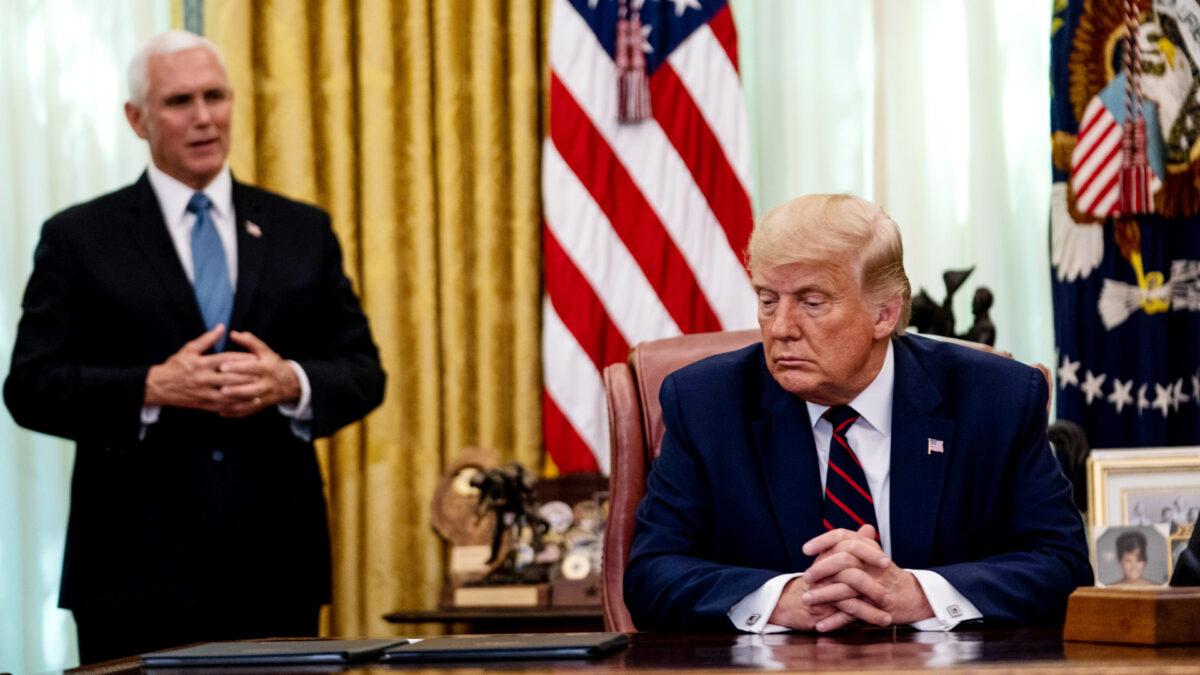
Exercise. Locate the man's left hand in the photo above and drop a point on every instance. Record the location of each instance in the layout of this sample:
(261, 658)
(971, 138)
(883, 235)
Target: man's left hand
(851, 566)
(275, 382)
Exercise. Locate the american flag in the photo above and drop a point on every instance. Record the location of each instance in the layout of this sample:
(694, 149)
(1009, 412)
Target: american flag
(1096, 160)
(645, 222)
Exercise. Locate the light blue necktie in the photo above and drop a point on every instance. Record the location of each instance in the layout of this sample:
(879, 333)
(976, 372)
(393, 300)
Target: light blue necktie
(214, 292)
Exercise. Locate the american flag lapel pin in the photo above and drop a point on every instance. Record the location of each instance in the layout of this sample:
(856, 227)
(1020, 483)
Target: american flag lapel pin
(253, 229)
(935, 445)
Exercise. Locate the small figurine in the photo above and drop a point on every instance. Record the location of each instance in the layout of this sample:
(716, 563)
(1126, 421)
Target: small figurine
(508, 492)
(933, 319)
(982, 330)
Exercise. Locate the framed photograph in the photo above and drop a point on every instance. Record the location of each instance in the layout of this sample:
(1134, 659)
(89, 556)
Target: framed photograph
(1131, 556)
(1144, 486)
(1157, 488)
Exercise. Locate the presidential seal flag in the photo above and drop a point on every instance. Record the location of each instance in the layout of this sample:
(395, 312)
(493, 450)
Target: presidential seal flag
(645, 181)
(1125, 219)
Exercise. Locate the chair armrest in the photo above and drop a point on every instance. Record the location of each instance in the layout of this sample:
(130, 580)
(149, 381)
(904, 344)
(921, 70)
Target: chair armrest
(627, 484)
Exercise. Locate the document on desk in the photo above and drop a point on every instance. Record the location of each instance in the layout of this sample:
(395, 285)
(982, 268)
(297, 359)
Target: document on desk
(509, 646)
(269, 652)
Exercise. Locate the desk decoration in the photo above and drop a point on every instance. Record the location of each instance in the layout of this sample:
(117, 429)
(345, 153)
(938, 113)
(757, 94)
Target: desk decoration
(932, 318)
(1145, 487)
(1129, 615)
(1131, 556)
(455, 516)
(514, 577)
(538, 553)
(1142, 503)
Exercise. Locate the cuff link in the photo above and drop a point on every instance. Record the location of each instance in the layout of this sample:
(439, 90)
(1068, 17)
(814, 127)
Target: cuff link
(954, 611)
(753, 619)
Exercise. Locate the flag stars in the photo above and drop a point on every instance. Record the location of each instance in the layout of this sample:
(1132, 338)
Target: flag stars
(1092, 386)
(1162, 398)
(1142, 401)
(1121, 396)
(682, 6)
(1068, 372)
(1196, 388)
(1177, 395)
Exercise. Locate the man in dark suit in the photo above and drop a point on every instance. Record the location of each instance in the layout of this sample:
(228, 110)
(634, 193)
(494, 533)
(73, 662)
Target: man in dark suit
(843, 470)
(192, 334)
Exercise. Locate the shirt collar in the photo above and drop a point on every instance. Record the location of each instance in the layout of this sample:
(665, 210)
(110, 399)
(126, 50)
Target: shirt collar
(873, 404)
(173, 195)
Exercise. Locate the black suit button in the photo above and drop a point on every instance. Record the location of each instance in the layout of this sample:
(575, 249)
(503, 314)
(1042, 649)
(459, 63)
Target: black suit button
(217, 455)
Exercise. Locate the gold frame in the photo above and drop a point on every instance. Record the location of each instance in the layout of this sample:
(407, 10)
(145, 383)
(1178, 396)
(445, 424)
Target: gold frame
(1102, 464)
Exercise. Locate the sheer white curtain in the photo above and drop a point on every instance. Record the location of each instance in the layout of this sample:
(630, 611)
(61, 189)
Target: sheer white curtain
(63, 139)
(938, 110)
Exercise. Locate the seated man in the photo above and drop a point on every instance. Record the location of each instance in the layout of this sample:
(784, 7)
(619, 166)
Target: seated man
(843, 470)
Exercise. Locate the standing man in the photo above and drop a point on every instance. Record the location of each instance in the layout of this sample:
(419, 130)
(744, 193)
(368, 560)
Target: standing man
(192, 335)
(843, 470)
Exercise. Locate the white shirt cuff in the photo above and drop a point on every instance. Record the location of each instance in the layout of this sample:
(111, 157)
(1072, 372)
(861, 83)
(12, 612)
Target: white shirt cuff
(751, 613)
(950, 607)
(301, 412)
(302, 408)
(149, 416)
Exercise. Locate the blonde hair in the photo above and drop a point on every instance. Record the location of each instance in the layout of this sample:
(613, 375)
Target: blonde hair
(819, 229)
(167, 42)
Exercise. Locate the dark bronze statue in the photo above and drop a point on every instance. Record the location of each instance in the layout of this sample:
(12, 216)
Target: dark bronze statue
(933, 319)
(507, 491)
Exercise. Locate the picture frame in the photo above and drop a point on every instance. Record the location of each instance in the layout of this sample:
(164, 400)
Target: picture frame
(1145, 487)
(1131, 556)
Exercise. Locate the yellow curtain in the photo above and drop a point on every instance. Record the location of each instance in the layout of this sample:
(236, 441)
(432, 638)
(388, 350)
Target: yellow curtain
(417, 125)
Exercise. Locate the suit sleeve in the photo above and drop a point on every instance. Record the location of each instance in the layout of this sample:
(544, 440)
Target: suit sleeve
(346, 376)
(1039, 554)
(671, 581)
(49, 386)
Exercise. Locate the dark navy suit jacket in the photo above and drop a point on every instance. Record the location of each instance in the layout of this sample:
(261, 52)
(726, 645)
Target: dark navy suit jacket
(736, 490)
(201, 510)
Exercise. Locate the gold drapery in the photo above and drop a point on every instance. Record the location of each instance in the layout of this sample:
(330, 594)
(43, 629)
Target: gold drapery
(417, 125)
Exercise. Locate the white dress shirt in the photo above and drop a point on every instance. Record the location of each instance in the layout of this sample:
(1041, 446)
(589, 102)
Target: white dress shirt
(871, 438)
(173, 197)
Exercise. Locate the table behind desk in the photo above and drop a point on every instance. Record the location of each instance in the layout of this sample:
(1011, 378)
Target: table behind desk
(1040, 649)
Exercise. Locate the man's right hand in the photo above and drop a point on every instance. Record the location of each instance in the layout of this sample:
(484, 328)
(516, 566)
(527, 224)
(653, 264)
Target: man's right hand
(791, 610)
(192, 379)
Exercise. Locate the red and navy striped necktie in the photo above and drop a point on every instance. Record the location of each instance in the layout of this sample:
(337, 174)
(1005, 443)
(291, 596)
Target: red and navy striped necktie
(848, 502)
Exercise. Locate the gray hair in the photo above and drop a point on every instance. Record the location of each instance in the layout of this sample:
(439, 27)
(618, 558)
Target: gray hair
(164, 43)
(815, 229)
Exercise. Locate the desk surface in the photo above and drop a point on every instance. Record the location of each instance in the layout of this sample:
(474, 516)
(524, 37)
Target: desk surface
(877, 649)
(529, 614)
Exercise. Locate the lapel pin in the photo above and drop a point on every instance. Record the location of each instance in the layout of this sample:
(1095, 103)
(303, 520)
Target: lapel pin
(935, 445)
(253, 229)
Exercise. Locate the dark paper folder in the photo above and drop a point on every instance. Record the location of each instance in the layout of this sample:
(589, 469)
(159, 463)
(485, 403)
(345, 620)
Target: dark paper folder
(269, 652)
(514, 646)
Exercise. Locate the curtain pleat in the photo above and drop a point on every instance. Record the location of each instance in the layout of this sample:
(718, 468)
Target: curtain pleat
(417, 125)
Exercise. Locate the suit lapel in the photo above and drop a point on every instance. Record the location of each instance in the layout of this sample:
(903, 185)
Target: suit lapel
(251, 252)
(917, 473)
(149, 231)
(789, 464)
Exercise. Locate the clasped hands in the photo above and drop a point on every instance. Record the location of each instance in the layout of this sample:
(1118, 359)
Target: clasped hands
(852, 579)
(230, 384)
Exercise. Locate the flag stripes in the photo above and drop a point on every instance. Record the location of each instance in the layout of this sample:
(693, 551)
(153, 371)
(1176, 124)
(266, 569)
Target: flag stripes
(645, 223)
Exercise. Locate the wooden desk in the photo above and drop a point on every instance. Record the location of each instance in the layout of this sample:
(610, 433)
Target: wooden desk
(1040, 649)
(507, 619)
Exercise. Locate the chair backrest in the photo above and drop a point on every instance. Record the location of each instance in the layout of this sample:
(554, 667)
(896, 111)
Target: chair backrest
(636, 431)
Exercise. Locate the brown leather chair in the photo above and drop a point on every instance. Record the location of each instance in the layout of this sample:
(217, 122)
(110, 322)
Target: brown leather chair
(636, 429)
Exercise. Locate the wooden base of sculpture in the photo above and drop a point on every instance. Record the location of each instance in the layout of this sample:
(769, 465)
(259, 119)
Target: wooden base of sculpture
(1155, 616)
